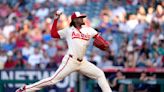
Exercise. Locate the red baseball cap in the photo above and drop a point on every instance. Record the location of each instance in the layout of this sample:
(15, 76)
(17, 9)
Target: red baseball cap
(77, 15)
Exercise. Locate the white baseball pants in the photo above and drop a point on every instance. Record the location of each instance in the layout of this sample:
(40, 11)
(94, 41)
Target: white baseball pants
(69, 65)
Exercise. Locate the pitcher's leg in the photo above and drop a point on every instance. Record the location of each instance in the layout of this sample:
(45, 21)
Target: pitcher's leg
(94, 72)
(65, 69)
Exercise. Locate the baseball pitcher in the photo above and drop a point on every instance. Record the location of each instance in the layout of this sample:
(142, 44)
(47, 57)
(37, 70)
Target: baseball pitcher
(77, 37)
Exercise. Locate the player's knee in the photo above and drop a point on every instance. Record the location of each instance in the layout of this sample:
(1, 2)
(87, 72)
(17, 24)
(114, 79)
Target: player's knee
(101, 74)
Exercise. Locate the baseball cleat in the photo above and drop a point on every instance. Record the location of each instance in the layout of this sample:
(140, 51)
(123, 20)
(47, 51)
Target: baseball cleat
(21, 89)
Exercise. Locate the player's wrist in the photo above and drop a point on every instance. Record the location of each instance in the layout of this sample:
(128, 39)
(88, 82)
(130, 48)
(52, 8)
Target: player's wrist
(56, 17)
(58, 14)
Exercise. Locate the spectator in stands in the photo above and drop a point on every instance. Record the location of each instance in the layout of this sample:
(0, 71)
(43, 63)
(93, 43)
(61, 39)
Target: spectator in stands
(94, 58)
(119, 62)
(10, 43)
(51, 51)
(151, 86)
(150, 14)
(58, 57)
(145, 49)
(21, 5)
(114, 84)
(123, 48)
(154, 48)
(159, 15)
(143, 76)
(52, 64)
(132, 22)
(46, 36)
(155, 36)
(35, 58)
(3, 58)
(21, 64)
(106, 11)
(67, 3)
(152, 76)
(119, 12)
(141, 17)
(130, 57)
(5, 10)
(135, 42)
(123, 27)
(105, 23)
(132, 2)
(20, 61)
(161, 45)
(105, 63)
(157, 52)
(45, 60)
(7, 29)
(144, 61)
(142, 87)
(36, 35)
(157, 60)
(72, 2)
(42, 12)
(140, 27)
(20, 41)
(27, 50)
(47, 25)
(113, 45)
(10, 63)
(2, 38)
(141, 14)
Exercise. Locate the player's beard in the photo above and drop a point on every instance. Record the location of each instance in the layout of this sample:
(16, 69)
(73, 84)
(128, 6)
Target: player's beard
(77, 23)
(82, 23)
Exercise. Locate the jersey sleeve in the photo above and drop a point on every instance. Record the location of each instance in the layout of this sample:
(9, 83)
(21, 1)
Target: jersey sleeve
(63, 33)
(55, 33)
(93, 32)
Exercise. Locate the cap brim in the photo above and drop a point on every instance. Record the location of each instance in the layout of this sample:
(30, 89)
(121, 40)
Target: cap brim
(82, 16)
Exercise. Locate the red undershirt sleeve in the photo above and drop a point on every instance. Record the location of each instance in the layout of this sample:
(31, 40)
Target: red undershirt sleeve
(54, 31)
(95, 35)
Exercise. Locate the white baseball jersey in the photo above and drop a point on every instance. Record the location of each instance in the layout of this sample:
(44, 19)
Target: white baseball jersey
(77, 40)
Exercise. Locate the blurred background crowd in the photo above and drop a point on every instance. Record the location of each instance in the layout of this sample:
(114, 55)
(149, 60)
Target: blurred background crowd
(134, 28)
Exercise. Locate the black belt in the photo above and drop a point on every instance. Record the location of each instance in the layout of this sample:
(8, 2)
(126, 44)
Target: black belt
(78, 59)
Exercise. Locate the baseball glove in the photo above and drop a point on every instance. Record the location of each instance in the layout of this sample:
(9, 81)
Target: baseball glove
(101, 43)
